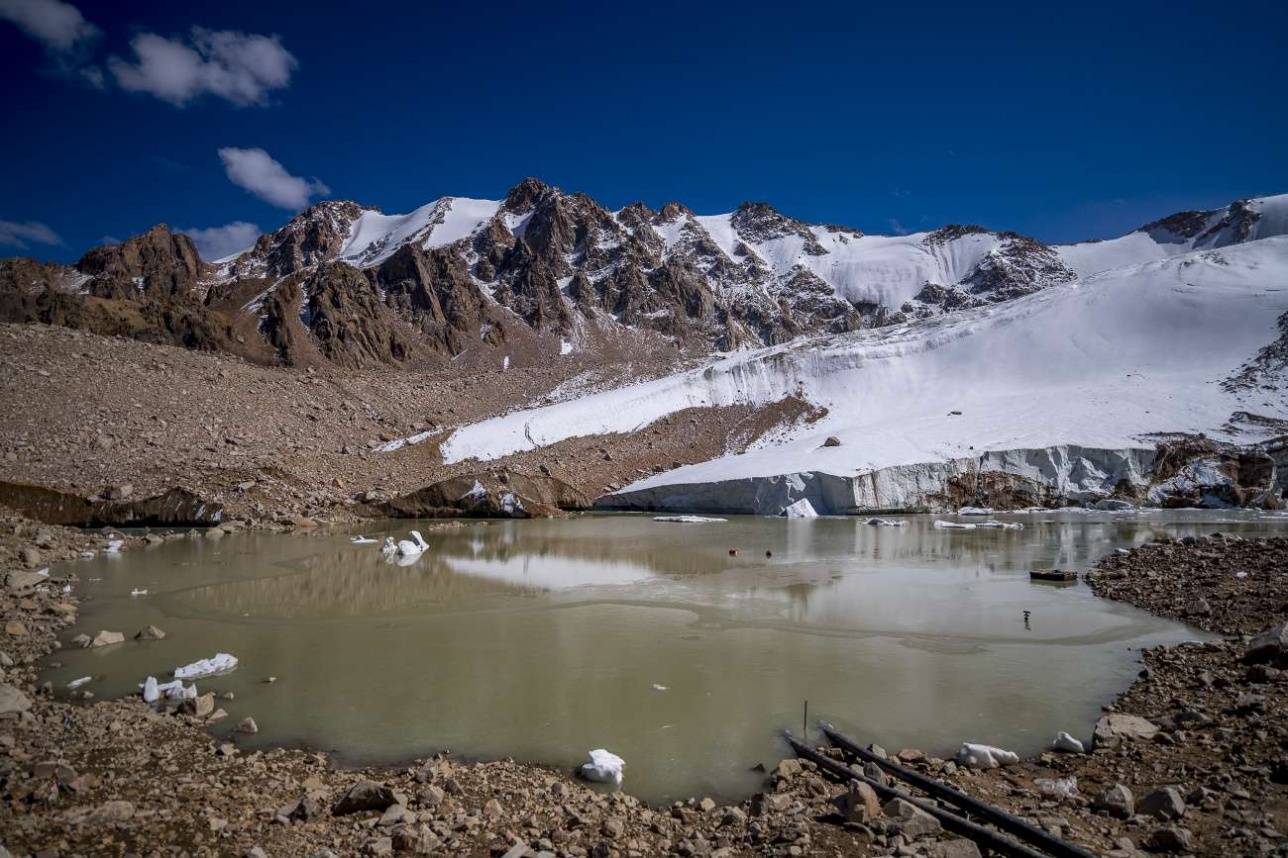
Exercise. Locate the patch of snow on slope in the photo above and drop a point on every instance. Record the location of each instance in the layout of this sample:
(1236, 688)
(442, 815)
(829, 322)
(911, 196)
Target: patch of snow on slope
(1099, 364)
(463, 218)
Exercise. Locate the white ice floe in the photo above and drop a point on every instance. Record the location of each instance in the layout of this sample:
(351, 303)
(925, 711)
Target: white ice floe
(974, 756)
(77, 683)
(657, 687)
(114, 546)
(1068, 744)
(954, 525)
(413, 547)
(687, 519)
(87, 555)
(604, 767)
(175, 690)
(975, 510)
(220, 663)
(139, 591)
(390, 547)
(361, 540)
(1000, 525)
(887, 522)
(801, 509)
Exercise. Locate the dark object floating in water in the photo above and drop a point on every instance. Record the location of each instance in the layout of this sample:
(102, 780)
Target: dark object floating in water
(1053, 575)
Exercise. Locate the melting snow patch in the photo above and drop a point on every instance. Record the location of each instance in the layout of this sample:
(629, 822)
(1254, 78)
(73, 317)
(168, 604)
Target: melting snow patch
(476, 491)
(410, 440)
(219, 664)
(510, 504)
(565, 347)
(975, 756)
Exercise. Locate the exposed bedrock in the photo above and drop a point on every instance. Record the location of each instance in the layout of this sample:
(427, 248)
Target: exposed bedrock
(1195, 475)
(173, 508)
(488, 494)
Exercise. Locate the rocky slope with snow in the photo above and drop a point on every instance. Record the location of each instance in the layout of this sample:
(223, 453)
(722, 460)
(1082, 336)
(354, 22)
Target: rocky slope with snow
(527, 278)
(1063, 391)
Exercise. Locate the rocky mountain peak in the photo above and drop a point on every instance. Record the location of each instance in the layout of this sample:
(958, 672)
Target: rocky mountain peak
(523, 197)
(156, 261)
(314, 235)
(758, 222)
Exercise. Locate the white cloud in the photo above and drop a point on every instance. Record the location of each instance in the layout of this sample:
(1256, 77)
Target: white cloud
(58, 26)
(240, 67)
(216, 242)
(13, 234)
(256, 171)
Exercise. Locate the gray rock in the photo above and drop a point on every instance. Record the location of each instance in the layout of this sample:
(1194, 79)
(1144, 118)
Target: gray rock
(1165, 804)
(1270, 646)
(860, 803)
(247, 725)
(1117, 801)
(909, 820)
(12, 701)
(1170, 838)
(151, 633)
(832, 441)
(960, 848)
(106, 638)
(365, 795)
(20, 581)
(1113, 728)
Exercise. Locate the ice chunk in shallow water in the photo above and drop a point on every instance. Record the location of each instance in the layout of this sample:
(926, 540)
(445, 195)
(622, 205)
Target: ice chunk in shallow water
(221, 663)
(887, 522)
(993, 524)
(114, 546)
(604, 767)
(975, 756)
(1068, 744)
(687, 519)
(953, 525)
(77, 683)
(151, 690)
(801, 509)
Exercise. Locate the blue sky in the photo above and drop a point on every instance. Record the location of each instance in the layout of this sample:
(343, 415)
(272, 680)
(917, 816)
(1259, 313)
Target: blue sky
(1081, 121)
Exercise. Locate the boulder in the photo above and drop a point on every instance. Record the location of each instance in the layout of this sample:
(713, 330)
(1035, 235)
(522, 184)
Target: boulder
(1068, 744)
(1170, 838)
(1117, 801)
(860, 803)
(366, 795)
(1269, 647)
(12, 700)
(151, 633)
(909, 820)
(1114, 727)
(1165, 804)
(106, 638)
(832, 441)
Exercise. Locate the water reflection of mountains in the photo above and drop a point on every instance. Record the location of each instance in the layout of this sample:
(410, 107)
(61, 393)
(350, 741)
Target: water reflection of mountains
(493, 562)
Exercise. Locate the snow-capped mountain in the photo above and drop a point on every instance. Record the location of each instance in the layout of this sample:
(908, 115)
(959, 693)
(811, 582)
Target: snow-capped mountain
(543, 272)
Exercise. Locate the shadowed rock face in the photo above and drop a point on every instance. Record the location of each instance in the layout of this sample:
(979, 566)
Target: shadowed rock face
(505, 494)
(176, 507)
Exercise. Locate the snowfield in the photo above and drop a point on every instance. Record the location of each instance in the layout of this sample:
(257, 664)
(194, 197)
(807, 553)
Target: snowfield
(1126, 351)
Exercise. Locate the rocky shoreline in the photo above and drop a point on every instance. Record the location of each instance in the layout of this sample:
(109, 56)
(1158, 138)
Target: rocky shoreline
(1192, 759)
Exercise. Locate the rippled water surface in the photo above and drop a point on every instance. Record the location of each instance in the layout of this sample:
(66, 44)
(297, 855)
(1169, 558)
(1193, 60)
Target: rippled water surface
(540, 640)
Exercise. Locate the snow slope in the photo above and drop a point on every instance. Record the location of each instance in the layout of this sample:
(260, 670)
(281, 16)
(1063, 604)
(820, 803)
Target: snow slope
(1136, 349)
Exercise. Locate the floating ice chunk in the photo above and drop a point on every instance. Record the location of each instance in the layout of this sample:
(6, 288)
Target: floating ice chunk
(657, 687)
(687, 519)
(139, 591)
(114, 546)
(887, 522)
(801, 509)
(1068, 744)
(975, 510)
(604, 767)
(974, 756)
(151, 690)
(953, 525)
(361, 540)
(87, 555)
(221, 663)
(994, 524)
(77, 683)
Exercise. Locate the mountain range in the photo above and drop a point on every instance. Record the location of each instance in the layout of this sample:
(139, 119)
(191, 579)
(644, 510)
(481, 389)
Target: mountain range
(543, 273)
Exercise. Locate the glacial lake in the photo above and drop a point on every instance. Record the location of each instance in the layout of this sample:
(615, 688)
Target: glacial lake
(540, 640)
